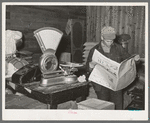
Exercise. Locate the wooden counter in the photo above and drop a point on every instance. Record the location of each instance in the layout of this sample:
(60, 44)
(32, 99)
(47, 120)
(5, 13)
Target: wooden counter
(54, 95)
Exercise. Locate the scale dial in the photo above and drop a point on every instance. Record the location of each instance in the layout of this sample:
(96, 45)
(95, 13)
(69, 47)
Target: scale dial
(48, 62)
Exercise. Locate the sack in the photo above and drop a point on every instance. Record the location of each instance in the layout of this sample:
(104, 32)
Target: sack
(13, 64)
(17, 62)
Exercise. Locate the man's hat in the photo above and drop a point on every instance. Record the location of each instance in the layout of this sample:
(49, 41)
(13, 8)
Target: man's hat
(124, 37)
(108, 33)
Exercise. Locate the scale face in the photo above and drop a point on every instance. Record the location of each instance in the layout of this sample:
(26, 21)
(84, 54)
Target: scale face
(48, 62)
(48, 39)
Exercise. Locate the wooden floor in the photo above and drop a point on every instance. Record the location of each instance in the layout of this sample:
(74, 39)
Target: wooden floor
(13, 101)
(22, 102)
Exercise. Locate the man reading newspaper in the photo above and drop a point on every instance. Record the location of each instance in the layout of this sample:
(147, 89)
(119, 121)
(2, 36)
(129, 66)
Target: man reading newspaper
(103, 65)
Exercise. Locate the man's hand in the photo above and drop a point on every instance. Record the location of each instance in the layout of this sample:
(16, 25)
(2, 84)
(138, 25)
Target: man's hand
(92, 64)
(137, 58)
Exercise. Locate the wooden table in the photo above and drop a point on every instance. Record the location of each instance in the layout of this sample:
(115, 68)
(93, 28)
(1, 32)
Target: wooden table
(54, 95)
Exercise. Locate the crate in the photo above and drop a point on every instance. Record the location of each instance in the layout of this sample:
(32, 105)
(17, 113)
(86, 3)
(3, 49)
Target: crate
(95, 104)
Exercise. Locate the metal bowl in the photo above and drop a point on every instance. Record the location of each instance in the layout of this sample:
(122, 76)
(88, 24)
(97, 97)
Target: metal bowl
(70, 78)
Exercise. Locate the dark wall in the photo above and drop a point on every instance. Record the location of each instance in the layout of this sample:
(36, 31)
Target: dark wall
(27, 19)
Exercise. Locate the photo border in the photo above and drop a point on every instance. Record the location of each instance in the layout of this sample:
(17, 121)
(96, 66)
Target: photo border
(61, 114)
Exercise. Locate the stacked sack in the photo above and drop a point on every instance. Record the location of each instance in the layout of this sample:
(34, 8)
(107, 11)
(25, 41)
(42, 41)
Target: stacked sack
(12, 62)
(86, 50)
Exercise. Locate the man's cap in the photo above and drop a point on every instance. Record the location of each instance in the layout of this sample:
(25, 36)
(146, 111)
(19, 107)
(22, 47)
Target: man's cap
(108, 33)
(124, 37)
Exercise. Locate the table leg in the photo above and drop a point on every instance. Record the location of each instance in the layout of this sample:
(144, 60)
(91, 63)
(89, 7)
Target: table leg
(53, 106)
(48, 106)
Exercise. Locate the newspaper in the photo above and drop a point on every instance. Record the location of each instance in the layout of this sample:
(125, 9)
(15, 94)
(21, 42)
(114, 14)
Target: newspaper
(112, 74)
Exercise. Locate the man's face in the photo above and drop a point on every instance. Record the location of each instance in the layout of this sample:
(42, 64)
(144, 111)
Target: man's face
(108, 43)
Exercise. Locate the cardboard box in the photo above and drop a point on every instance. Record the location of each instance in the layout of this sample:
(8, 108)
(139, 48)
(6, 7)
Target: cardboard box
(95, 104)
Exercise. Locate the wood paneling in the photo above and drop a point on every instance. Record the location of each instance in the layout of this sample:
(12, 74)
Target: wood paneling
(27, 19)
(125, 19)
(98, 25)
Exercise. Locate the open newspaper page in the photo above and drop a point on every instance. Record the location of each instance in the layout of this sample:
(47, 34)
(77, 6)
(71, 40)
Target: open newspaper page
(126, 73)
(103, 77)
(110, 65)
(111, 74)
